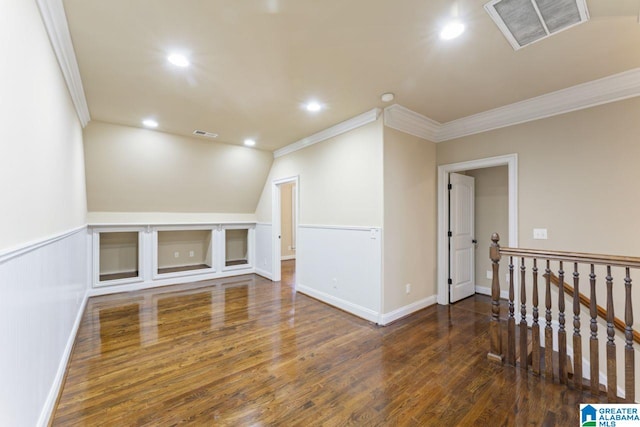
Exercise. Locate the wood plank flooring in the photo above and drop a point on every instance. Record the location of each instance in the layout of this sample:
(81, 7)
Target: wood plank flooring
(246, 351)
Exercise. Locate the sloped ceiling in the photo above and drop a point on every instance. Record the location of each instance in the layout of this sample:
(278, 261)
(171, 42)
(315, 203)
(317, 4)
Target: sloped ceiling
(255, 62)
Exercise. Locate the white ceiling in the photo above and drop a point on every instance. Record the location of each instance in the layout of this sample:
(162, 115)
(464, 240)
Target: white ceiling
(255, 62)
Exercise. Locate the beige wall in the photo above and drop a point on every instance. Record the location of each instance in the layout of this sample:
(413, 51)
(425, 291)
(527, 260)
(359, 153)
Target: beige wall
(340, 179)
(139, 170)
(236, 245)
(118, 252)
(409, 219)
(184, 242)
(491, 215)
(286, 227)
(577, 177)
(577, 172)
(41, 161)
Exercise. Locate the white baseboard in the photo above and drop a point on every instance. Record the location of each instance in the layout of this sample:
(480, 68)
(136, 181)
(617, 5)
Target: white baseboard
(54, 391)
(287, 257)
(394, 315)
(106, 290)
(347, 306)
(485, 290)
(264, 273)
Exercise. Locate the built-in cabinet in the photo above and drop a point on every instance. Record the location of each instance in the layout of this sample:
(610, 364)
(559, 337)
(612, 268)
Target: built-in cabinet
(155, 255)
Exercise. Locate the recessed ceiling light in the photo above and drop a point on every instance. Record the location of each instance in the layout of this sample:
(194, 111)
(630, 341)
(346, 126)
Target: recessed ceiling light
(313, 106)
(387, 97)
(150, 123)
(178, 60)
(452, 30)
(249, 142)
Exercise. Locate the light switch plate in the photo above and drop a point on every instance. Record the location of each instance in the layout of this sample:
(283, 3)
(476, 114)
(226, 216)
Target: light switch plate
(540, 233)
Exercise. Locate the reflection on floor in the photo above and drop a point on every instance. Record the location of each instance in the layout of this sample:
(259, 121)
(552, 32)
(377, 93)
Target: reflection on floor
(247, 351)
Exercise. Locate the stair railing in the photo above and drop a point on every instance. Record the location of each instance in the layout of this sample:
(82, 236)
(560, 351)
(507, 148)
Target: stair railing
(543, 342)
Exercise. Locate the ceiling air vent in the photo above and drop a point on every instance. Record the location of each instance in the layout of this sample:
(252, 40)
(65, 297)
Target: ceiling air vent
(205, 134)
(526, 21)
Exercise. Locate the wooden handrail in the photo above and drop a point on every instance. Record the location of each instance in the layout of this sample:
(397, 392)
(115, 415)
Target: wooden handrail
(551, 334)
(583, 258)
(602, 312)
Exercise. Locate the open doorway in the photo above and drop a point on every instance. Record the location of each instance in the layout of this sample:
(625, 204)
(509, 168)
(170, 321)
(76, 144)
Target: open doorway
(475, 168)
(285, 209)
(288, 232)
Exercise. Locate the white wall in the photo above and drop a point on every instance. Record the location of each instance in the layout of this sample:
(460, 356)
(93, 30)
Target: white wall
(341, 266)
(42, 185)
(340, 195)
(42, 189)
(43, 295)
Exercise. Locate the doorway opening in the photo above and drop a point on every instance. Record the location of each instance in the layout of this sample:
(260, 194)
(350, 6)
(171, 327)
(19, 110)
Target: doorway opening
(288, 232)
(285, 207)
(477, 168)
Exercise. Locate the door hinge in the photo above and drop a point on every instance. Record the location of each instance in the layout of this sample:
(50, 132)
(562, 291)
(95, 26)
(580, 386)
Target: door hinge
(450, 282)
(450, 187)
(450, 234)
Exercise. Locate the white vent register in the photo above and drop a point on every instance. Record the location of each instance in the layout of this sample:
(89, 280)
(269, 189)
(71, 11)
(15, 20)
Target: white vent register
(527, 21)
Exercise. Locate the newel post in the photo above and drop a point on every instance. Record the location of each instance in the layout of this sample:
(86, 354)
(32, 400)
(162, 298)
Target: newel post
(495, 334)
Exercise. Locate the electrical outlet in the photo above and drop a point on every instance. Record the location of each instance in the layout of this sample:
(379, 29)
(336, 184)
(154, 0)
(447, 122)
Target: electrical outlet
(191, 254)
(407, 288)
(264, 262)
(335, 283)
(489, 274)
(176, 254)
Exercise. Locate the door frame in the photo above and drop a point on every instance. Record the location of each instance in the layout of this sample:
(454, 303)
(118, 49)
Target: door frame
(276, 223)
(511, 161)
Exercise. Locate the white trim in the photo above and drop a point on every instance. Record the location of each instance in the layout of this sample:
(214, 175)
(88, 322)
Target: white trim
(263, 273)
(597, 92)
(485, 290)
(175, 225)
(287, 257)
(590, 94)
(339, 227)
(55, 22)
(107, 290)
(511, 160)
(340, 128)
(54, 391)
(401, 312)
(95, 256)
(11, 253)
(401, 118)
(347, 306)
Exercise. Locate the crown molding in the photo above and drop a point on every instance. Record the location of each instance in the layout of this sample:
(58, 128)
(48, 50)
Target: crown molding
(346, 126)
(400, 118)
(597, 92)
(55, 22)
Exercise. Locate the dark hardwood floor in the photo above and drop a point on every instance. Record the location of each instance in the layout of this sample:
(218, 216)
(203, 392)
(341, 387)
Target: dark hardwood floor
(246, 351)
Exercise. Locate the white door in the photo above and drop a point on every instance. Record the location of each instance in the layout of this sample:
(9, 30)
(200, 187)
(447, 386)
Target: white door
(461, 237)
